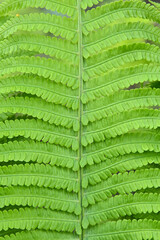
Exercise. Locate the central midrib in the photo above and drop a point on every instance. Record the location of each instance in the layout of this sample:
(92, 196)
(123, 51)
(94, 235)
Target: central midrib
(80, 108)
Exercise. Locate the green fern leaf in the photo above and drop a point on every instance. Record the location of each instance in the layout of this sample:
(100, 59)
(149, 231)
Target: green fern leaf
(120, 10)
(101, 171)
(66, 7)
(46, 23)
(38, 130)
(119, 34)
(122, 229)
(79, 120)
(57, 221)
(36, 234)
(26, 151)
(39, 197)
(41, 87)
(41, 45)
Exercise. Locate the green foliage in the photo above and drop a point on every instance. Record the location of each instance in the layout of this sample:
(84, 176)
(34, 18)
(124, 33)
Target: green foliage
(79, 120)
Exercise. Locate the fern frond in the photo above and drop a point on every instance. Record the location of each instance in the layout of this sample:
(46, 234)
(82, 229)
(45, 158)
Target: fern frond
(129, 143)
(121, 206)
(65, 7)
(37, 234)
(40, 131)
(125, 100)
(117, 79)
(118, 57)
(122, 183)
(50, 46)
(31, 219)
(60, 73)
(25, 151)
(39, 198)
(118, 11)
(79, 120)
(41, 87)
(39, 175)
(98, 172)
(119, 124)
(117, 34)
(142, 50)
(41, 22)
(125, 229)
(40, 109)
